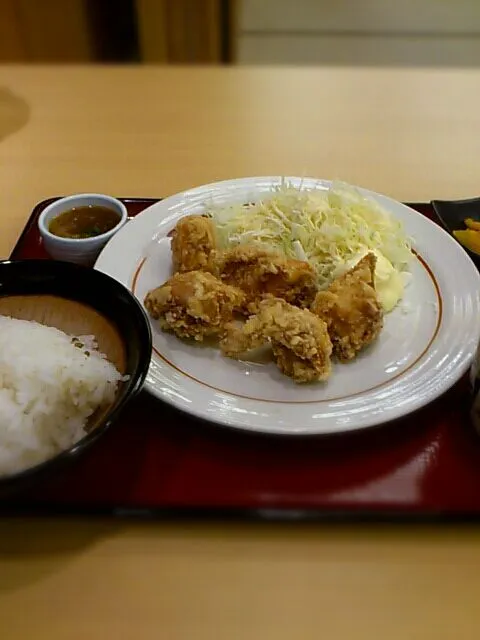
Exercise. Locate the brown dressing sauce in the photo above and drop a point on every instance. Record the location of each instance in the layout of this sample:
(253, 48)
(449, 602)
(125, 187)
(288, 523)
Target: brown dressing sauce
(84, 222)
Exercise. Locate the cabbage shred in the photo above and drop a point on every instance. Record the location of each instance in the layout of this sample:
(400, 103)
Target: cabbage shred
(326, 228)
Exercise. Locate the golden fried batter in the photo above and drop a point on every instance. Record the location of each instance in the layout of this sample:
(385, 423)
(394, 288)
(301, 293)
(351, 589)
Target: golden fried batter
(193, 244)
(300, 342)
(262, 274)
(351, 309)
(194, 304)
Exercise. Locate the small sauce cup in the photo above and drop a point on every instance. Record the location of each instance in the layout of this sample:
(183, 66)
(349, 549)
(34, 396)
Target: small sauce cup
(79, 250)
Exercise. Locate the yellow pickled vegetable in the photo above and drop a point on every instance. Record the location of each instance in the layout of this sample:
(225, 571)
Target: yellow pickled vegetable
(469, 238)
(472, 224)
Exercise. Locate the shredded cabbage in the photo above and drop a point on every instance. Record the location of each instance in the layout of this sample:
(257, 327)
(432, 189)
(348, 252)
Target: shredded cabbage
(329, 229)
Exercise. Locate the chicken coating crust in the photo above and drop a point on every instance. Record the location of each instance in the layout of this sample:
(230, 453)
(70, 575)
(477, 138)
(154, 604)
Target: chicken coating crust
(351, 309)
(261, 274)
(194, 305)
(300, 342)
(193, 244)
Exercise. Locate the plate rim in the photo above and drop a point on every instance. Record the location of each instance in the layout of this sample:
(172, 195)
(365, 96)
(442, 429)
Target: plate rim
(258, 183)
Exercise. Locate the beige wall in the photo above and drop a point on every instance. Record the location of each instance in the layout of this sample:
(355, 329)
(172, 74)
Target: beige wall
(417, 32)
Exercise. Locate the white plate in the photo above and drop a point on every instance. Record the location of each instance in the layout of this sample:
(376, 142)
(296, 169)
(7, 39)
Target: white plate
(427, 344)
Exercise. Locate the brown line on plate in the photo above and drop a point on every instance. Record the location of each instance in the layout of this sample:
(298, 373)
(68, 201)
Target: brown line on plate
(352, 395)
(137, 273)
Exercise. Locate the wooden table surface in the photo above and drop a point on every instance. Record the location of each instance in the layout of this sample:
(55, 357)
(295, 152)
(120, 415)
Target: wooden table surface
(412, 134)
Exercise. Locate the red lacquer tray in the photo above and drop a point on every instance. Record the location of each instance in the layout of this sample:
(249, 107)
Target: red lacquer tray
(159, 462)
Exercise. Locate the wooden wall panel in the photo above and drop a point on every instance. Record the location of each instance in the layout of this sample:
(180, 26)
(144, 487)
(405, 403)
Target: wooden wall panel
(45, 31)
(12, 45)
(169, 31)
(152, 30)
(180, 31)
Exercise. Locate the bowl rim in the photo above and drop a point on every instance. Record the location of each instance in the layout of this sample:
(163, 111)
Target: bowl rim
(76, 196)
(437, 206)
(131, 387)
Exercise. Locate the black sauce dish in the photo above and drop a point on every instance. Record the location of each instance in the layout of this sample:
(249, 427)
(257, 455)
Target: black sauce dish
(452, 213)
(79, 301)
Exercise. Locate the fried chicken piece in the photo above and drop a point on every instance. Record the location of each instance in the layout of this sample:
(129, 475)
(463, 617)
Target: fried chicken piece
(351, 309)
(262, 274)
(194, 305)
(299, 339)
(193, 244)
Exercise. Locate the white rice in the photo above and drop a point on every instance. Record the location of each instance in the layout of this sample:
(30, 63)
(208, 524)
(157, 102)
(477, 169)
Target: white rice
(48, 389)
